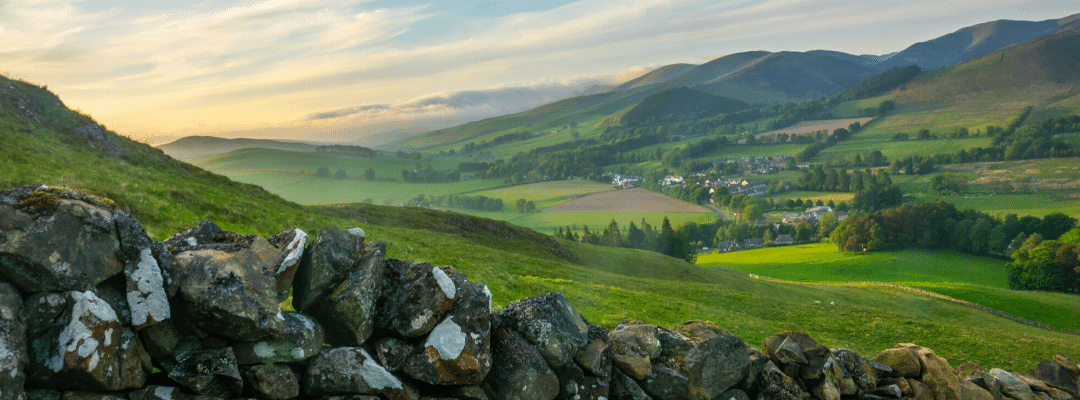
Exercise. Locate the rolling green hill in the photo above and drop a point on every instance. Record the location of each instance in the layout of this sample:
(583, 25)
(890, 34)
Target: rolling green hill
(1040, 72)
(677, 105)
(46, 143)
(200, 146)
(659, 75)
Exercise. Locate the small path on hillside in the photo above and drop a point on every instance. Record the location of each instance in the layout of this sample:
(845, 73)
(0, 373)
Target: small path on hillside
(719, 214)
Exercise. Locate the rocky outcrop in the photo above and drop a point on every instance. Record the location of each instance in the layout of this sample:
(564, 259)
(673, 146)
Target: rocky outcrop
(197, 317)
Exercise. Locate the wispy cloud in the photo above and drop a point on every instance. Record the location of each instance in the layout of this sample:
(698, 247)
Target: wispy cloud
(301, 66)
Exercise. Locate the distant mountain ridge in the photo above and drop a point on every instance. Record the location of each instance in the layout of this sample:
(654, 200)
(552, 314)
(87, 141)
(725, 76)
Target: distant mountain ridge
(961, 45)
(762, 77)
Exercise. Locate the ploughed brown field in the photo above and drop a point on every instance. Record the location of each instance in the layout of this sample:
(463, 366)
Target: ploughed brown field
(809, 127)
(626, 200)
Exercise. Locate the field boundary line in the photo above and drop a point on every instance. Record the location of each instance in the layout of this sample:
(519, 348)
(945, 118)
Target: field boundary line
(928, 293)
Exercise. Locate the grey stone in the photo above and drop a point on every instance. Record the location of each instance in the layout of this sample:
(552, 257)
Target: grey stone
(733, 394)
(890, 391)
(78, 343)
(1056, 375)
(299, 338)
(226, 286)
(633, 346)
(858, 369)
(417, 298)
(331, 257)
(458, 350)
(146, 302)
(775, 385)
(55, 244)
(1013, 387)
(353, 370)
(550, 323)
(902, 360)
(272, 381)
(13, 346)
(209, 372)
(291, 243)
(393, 353)
(625, 388)
(519, 371)
(348, 312)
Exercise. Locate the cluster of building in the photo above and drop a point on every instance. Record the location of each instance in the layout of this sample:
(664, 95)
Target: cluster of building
(746, 244)
(748, 165)
(810, 215)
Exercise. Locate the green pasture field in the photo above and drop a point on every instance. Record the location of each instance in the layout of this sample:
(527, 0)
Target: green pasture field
(545, 194)
(1035, 204)
(977, 279)
(852, 109)
(305, 189)
(549, 222)
(815, 196)
(262, 160)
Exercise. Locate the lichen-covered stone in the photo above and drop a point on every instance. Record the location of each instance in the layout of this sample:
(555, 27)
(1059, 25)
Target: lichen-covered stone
(633, 345)
(1071, 367)
(13, 349)
(902, 360)
(272, 381)
(418, 296)
(716, 363)
(161, 341)
(209, 372)
(595, 357)
(858, 369)
(291, 243)
(518, 371)
(226, 286)
(667, 383)
(987, 382)
(1056, 375)
(155, 392)
(299, 338)
(332, 256)
(625, 388)
(939, 377)
(392, 353)
(784, 350)
(775, 385)
(78, 395)
(971, 391)
(1012, 386)
(348, 312)
(52, 243)
(458, 350)
(550, 323)
(353, 370)
(146, 301)
(77, 343)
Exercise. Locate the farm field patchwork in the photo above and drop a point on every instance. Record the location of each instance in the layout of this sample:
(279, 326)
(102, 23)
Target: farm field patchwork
(980, 280)
(626, 200)
(808, 127)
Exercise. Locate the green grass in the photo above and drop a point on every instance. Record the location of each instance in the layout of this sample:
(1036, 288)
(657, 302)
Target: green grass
(980, 280)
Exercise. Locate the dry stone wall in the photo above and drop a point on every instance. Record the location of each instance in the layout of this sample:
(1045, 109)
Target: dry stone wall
(92, 309)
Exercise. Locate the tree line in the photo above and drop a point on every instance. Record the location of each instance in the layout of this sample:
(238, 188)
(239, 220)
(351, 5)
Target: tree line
(940, 225)
(1047, 264)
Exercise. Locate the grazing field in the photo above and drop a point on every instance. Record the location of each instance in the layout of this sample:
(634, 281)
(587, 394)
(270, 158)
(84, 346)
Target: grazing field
(1030, 187)
(546, 194)
(809, 127)
(977, 279)
(825, 197)
(626, 200)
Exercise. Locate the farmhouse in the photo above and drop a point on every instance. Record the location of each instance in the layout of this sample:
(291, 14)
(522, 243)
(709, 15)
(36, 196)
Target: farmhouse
(784, 239)
(753, 243)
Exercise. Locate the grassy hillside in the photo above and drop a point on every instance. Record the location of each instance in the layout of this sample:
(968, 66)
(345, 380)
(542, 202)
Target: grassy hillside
(606, 284)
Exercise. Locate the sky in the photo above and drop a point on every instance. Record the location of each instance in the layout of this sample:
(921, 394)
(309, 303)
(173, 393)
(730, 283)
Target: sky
(371, 71)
